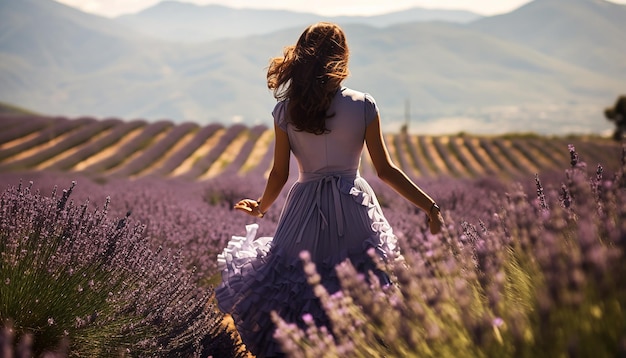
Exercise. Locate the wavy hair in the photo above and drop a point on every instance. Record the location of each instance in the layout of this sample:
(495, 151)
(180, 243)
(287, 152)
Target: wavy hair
(309, 74)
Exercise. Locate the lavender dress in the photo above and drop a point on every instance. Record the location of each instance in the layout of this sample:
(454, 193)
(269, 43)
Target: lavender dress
(331, 212)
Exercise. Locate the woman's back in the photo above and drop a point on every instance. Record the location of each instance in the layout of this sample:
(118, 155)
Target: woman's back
(339, 150)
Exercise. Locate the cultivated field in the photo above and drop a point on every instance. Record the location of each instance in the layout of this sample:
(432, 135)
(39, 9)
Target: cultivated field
(132, 149)
(110, 231)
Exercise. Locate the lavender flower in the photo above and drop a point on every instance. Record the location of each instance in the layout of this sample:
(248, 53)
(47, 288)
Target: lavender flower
(72, 272)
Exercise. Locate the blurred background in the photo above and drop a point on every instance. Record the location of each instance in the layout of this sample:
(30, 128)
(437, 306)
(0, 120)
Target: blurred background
(489, 67)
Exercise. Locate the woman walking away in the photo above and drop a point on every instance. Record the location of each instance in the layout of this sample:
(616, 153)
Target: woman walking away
(330, 212)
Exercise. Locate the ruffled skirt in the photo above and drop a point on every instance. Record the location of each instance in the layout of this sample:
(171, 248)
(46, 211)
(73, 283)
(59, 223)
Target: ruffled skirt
(334, 218)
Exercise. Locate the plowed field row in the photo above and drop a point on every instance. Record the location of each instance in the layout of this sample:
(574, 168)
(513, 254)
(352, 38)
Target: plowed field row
(136, 148)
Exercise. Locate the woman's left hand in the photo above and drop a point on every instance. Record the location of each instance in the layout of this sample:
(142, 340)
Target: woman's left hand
(435, 222)
(250, 207)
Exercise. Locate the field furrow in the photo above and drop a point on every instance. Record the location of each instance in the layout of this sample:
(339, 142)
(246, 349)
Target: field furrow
(133, 149)
(553, 149)
(8, 121)
(433, 159)
(203, 164)
(142, 157)
(227, 155)
(402, 153)
(108, 146)
(63, 155)
(452, 164)
(465, 158)
(95, 147)
(157, 168)
(200, 152)
(25, 129)
(417, 157)
(246, 151)
(156, 154)
(506, 166)
(263, 149)
(53, 132)
(516, 164)
(533, 160)
(48, 151)
(265, 165)
(18, 141)
(129, 148)
(186, 149)
(481, 156)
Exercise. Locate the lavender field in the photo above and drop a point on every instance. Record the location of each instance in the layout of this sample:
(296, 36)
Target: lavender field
(109, 232)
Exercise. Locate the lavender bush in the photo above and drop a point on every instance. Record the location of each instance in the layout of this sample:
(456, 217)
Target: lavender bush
(485, 162)
(429, 156)
(143, 140)
(157, 150)
(72, 274)
(551, 149)
(187, 150)
(18, 126)
(253, 135)
(204, 163)
(486, 289)
(453, 167)
(466, 162)
(501, 162)
(542, 276)
(56, 127)
(420, 166)
(76, 138)
(119, 130)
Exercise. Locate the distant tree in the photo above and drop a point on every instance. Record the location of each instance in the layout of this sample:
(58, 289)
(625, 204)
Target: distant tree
(617, 114)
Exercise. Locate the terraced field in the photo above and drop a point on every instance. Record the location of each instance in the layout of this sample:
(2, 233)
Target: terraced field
(131, 149)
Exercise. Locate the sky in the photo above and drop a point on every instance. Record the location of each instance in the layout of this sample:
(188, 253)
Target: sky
(112, 8)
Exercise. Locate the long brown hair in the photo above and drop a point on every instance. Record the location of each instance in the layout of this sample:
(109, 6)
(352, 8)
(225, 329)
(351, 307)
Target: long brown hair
(309, 74)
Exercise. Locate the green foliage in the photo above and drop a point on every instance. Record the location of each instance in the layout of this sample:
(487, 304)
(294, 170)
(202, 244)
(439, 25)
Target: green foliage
(71, 275)
(51, 305)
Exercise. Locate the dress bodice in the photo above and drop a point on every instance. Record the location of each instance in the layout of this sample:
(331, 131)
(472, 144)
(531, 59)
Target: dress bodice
(338, 151)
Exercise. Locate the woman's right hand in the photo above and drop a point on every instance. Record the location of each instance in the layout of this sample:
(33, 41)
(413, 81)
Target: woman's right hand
(250, 207)
(435, 221)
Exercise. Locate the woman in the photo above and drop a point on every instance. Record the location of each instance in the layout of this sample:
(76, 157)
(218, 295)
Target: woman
(330, 212)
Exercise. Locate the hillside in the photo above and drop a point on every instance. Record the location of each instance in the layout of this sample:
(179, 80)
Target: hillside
(191, 23)
(132, 149)
(10, 109)
(587, 33)
(457, 77)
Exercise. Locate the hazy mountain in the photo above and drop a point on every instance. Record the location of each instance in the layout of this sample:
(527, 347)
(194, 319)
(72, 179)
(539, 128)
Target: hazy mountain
(588, 33)
(410, 15)
(57, 60)
(185, 22)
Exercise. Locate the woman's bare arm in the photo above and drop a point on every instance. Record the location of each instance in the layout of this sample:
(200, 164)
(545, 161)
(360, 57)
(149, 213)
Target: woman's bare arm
(393, 176)
(276, 180)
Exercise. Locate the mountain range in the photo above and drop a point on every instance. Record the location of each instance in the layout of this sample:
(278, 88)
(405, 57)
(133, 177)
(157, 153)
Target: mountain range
(190, 23)
(550, 66)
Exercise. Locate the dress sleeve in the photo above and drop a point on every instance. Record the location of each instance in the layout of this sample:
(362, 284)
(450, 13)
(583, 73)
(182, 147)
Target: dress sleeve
(371, 109)
(279, 114)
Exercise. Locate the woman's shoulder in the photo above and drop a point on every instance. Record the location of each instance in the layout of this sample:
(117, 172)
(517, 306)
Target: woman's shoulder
(357, 95)
(280, 114)
(363, 100)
